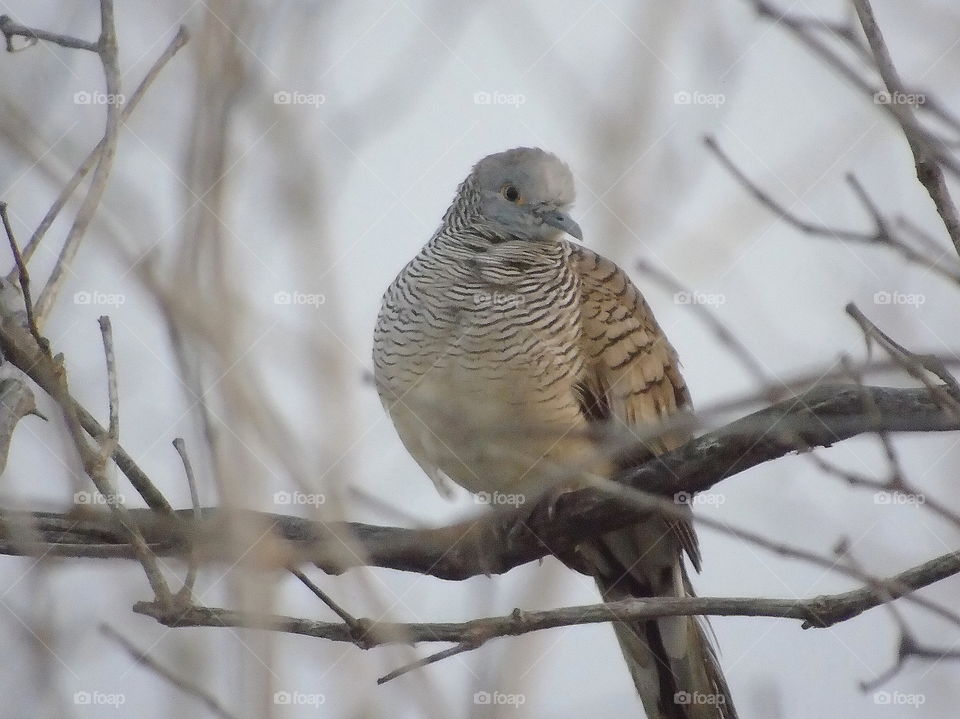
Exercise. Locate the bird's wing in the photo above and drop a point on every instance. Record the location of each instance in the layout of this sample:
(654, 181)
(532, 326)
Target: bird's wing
(632, 378)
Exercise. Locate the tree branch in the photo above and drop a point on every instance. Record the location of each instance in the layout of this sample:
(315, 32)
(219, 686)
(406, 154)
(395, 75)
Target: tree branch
(816, 612)
(820, 417)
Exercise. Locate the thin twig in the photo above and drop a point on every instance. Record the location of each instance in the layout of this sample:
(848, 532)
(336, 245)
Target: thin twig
(20, 348)
(348, 618)
(185, 595)
(916, 365)
(11, 29)
(184, 685)
(108, 444)
(24, 278)
(426, 661)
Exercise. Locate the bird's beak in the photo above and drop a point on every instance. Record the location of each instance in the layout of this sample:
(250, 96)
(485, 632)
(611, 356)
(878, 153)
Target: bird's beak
(562, 221)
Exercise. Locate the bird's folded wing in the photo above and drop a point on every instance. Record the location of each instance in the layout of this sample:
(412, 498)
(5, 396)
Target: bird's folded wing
(632, 378)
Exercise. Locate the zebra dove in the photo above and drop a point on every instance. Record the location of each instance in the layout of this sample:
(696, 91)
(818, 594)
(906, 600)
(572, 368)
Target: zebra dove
(500, 351)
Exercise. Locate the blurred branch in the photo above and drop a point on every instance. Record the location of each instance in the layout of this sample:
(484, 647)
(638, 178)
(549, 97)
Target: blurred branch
(882, 233)
(927, 161)
(181, 683)
(106, 49)
(21, 349)
(727, 338)
(128, 107)
(16, 402)
(808, 30)
(498, 541)
(916, 365)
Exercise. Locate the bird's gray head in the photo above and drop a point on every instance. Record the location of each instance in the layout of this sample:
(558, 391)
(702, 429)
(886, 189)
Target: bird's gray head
(523, 193)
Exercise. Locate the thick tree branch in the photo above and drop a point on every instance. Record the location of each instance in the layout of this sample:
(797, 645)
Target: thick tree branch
(820, 417)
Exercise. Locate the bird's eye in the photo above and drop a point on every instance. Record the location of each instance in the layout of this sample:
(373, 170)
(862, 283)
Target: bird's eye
(510, 193)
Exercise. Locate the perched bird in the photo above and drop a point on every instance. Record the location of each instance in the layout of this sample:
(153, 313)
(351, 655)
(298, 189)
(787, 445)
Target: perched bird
(504, 353)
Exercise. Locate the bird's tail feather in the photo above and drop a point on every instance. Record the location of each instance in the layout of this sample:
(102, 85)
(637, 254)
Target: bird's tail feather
(673, 663)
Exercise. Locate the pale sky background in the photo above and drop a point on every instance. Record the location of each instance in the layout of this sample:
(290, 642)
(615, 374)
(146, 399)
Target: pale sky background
(330, 197)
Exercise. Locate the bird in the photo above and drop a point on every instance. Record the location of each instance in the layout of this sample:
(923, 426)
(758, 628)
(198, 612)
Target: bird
(504, 352)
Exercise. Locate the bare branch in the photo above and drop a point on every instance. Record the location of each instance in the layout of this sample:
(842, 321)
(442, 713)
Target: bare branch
(823, 416)
(20, 348)
(11, 29)
(16, 402)
(107, 50)
(727, 338)
(186, 591)
(91, 159)
(881, 235)
(24, 278)
(184, 685)
(927, 162)
(108, 443)
(816, 612)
